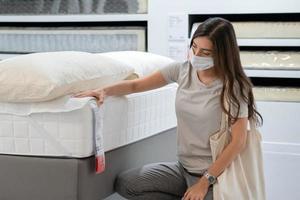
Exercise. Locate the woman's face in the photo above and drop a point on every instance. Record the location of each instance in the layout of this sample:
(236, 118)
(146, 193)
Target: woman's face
(202, 46)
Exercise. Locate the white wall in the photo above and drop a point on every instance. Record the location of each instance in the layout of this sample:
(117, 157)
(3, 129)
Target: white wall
(281, 145)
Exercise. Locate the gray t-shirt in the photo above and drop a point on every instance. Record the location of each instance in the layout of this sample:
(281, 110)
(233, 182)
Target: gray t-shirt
(198, 112)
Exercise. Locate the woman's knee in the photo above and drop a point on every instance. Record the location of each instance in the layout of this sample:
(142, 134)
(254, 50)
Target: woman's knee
(155, 177)
(125, 185)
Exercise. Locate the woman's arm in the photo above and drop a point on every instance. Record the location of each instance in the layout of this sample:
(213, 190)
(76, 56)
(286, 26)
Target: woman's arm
(149, 82)
(236, 145)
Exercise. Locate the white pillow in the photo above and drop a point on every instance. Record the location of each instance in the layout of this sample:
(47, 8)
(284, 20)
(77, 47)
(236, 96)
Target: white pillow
(144, 63)
(45, 76)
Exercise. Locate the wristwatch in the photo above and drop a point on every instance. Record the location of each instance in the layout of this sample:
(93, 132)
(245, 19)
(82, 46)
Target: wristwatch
(211, 179)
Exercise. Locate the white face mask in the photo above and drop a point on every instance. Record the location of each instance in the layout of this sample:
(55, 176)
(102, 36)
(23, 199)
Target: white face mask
(200, 62)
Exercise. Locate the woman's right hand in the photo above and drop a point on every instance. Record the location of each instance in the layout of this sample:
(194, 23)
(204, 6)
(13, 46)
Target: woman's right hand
(99, 94)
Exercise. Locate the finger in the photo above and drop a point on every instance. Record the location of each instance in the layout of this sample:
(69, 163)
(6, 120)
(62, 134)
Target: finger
(101, 97)
(187, 192)
(185, 195)
(188, 197)
(197, 197)
(99, 103)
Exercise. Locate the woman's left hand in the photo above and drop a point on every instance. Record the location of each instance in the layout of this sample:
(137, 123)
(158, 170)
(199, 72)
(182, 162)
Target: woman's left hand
(198, 191)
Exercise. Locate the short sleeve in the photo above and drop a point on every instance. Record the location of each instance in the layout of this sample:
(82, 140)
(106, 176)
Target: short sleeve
(243, 112)
(171, 72)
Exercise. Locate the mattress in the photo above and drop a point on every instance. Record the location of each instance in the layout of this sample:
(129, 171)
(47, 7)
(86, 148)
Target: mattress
(270, 60)
(284, 30)
(285, 94)
(267, 29)
(40, 7)
(66, 127)
(88, 39)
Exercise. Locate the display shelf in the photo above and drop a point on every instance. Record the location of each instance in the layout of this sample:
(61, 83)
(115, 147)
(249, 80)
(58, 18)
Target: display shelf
(74, 18)
(273, 73)
(269, 42)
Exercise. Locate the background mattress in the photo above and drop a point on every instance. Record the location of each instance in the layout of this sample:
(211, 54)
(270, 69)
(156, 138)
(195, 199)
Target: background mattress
(270, 59)
(267, 29)
(126, 119)
(88, 39)
(286, 30)
(277, 94)
(40, 7)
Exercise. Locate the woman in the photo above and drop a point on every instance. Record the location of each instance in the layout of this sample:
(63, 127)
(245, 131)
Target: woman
(212, 75)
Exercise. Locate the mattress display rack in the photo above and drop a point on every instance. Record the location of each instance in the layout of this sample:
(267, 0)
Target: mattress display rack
(64, 25)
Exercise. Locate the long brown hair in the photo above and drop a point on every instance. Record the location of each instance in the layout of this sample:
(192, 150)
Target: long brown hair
(228, 67)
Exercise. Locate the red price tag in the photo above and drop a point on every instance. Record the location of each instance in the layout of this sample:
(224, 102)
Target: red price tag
(100, 164)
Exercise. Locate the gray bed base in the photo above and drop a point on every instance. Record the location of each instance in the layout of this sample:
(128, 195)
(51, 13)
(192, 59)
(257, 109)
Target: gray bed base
(52, 178)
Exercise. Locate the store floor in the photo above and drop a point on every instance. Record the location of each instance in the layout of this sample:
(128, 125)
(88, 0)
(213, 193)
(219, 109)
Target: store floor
(115, 196)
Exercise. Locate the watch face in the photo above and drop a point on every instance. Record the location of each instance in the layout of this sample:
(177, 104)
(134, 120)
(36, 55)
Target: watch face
(211, 179)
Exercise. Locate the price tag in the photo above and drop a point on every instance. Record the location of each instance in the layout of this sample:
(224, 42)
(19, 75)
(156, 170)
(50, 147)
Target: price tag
(98, 137)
